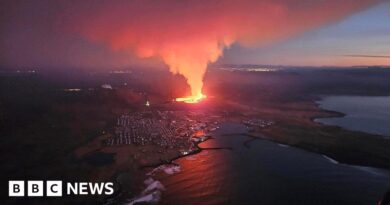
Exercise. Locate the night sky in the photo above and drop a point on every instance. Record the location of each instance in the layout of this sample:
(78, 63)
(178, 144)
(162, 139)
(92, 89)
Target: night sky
(194, 33)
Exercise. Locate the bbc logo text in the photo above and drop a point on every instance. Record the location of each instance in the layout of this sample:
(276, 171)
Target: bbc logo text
(56, 188)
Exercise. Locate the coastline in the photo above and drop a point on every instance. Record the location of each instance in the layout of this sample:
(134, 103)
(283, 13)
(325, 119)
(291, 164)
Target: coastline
(335, 152)
(329, 113)
(153, 188)
(341, 114)
(170, 161)
(185, 164)
(330, 140)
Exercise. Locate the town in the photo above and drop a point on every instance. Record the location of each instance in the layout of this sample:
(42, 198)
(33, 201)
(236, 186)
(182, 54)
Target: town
(253, 124)
(167, 129)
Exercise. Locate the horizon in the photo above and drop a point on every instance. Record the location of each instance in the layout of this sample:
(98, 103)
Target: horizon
(356, 37)
(217, 102)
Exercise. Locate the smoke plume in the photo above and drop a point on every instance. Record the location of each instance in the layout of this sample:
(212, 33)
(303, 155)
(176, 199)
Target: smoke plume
(187, 35)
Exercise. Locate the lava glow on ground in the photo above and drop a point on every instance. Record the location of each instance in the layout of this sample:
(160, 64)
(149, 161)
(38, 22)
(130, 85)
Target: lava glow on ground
(192, 99)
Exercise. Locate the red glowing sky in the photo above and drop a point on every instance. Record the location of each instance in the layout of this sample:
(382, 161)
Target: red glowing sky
(112, 33)
(188, 35)
(81, 33)
(185, 35)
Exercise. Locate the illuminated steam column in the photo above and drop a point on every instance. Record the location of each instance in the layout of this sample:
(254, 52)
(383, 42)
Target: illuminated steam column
(191, 60)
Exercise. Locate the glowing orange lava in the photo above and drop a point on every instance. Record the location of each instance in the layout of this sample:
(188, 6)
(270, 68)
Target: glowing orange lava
(192, 99)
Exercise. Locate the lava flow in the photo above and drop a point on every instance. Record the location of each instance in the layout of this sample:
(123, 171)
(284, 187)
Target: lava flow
(192, 99)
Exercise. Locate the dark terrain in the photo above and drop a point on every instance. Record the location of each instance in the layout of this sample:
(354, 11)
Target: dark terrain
(41, 125)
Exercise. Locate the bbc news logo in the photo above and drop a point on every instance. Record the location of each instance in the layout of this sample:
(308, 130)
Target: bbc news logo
(36, 188)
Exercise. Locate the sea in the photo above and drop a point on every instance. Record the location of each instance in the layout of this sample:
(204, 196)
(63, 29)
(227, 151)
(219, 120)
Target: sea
(259, 172)
(370, 114)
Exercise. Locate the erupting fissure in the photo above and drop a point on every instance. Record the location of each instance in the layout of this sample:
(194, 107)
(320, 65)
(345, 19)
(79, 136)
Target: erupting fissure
(192, 99)
(188, 35)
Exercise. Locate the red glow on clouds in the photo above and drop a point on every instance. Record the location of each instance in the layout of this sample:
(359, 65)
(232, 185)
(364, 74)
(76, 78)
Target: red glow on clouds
(187, 35)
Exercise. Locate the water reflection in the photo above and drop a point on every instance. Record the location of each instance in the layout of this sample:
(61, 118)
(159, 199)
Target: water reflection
(266, 173)
(199, 182)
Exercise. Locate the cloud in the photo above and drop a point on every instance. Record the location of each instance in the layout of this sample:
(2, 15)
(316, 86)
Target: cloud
(187, 35)
(367, 56)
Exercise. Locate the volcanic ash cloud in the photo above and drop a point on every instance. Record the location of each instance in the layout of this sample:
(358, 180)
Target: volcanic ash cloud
(188, 35)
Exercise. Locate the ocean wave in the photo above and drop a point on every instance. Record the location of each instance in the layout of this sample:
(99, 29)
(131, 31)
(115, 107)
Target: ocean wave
(283, 145)
(330, 159)
(151, 194)
(166, 168)
(372, 170)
